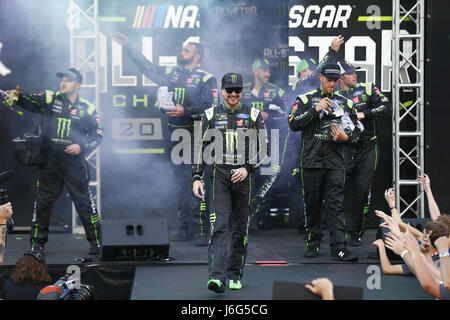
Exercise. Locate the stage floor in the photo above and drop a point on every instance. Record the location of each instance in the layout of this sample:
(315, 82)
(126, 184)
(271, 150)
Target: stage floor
(184, 277)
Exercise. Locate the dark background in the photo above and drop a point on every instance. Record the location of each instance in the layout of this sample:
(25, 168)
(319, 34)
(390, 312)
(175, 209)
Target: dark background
(36, 45)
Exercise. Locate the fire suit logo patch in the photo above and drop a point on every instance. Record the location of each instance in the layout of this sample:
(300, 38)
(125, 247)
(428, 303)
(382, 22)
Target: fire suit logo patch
(63, 130)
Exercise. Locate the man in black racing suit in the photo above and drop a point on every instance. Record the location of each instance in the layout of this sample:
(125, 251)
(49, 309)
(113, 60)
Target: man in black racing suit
(321, 161)
(194, 91)
(71, 129)
(235, 127)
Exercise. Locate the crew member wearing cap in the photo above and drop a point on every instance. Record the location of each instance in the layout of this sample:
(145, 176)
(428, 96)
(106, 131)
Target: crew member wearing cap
(321, 160)
(361, 157)
(71, 130)
(237, 129)
(194, 91)
(270, 99)
(308, 80)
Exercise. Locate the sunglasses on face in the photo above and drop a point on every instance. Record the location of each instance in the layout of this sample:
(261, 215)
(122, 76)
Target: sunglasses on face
(230, 90)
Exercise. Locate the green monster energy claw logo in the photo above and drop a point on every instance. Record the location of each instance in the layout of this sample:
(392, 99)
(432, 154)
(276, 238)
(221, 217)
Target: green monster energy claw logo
(233, 78)
(63, 128)
(179, 95)
(231, 140)
(258, 105)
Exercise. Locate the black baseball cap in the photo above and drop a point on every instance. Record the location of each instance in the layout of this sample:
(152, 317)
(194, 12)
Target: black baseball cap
(331, 70)
(72, 74)
(347, 67)
(232, 80)
(260, 63)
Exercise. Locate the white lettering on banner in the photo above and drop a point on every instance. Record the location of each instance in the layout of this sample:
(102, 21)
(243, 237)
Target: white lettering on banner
(181, 17)
(121, 80)
(368, 66)
(4, 71)
(316, 17)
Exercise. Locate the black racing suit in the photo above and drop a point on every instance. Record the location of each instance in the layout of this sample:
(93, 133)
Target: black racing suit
(269, 94)
(362, 157)
(196, 90)
(322, 165)
(237, 132)
(64, 124)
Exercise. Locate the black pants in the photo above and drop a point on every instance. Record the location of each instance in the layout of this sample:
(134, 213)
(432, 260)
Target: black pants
(52, 176)
(328, 184)
(230, 208)
(192, 212)
(361, 167)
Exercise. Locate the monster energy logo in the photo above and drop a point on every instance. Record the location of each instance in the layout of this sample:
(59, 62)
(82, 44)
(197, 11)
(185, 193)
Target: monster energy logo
(63, 128)
(233, 78)
(258, 105)
(179, 95)
(231, 140)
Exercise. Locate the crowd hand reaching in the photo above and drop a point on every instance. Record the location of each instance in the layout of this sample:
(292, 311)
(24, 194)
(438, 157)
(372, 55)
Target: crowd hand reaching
(6, 212)
(378, 243)
(388, 223)
(119, 38)
(322, 287)
(442, 243)
(389, 195)
(337, 42)
(411, 244)
(394, 243)
(424, 181)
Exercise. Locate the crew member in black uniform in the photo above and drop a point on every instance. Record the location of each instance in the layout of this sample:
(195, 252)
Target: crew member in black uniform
(316, 114)
(194, 91)
(71, 129)
(361, 157)
(270, 99)
(238, 129)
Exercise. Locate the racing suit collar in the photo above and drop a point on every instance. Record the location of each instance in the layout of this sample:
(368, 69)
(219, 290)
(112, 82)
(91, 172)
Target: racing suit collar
(228, 109)
(323, 94)
(77, 101)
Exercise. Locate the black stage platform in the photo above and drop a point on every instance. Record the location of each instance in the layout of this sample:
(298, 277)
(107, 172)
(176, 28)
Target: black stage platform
(184, 277)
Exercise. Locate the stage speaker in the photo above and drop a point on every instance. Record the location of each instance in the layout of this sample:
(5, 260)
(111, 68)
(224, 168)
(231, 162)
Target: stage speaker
(418, 223)
(139, 239)
(297, 291)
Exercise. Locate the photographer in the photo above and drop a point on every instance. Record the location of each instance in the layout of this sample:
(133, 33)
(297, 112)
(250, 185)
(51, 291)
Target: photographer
(5, 213)
(28, 278)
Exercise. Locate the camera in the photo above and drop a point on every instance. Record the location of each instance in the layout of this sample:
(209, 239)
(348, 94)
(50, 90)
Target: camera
(65, 289)
(3, 200)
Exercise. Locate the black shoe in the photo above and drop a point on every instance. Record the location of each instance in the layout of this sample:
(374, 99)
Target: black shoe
(312, 251)
(355, 241)
(94, 250)
(38, 248)
(201, 241)
(343, 255)
(182, 236)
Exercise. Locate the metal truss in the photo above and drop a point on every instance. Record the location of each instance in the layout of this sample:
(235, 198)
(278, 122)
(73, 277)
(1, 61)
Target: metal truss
(408, 76)
(84, 56)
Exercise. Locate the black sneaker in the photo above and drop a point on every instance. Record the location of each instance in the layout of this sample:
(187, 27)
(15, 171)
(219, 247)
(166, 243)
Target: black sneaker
(312, 251)
(38, 248)
(201, 241)
(216, 285)
(94, 250)
(343, 255)
(355, 241)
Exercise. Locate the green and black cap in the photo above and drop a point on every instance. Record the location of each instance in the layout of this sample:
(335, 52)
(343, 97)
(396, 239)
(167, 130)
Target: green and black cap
(232, 80)
(72, 74)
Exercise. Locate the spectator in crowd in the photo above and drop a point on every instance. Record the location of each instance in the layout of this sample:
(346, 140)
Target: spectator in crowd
(6, 212)
(28, 278)
(322, 287)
